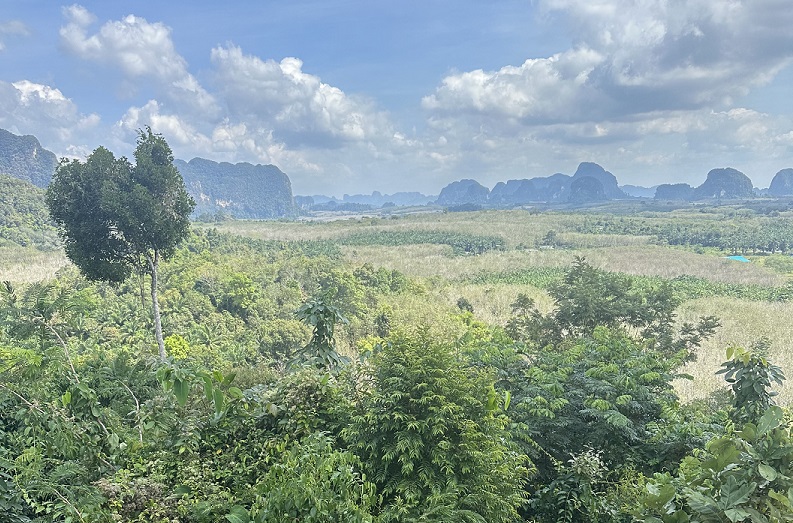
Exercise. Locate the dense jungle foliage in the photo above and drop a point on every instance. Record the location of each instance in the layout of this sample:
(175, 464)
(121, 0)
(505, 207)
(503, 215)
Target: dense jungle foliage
(293, 393)
(308, 378)
(24, 219)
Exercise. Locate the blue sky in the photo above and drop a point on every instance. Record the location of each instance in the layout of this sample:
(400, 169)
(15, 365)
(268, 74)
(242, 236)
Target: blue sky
(355, 96)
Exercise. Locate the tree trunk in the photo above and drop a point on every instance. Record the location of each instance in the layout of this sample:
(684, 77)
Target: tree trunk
(155, 304)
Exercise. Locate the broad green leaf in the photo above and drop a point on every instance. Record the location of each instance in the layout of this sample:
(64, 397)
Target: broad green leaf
(208, 387)
(767, 472)
(220, 401)
(229, 378)
(781, 498)
(736, 514)
(702, 504)
(235, 393)
(771, 419)
(749, 432)
(734, 493)
(659, 494)
(238, 514)
(181, 389)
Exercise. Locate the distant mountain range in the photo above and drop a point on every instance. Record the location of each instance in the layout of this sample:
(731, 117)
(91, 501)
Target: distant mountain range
(244, 190)
(592, 183)
(589, 183)
(357, 202)
(720, 183)
(24, 158)
(240, 190)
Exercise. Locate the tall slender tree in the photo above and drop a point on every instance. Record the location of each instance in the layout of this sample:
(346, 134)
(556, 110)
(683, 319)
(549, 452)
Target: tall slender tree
(115, 217)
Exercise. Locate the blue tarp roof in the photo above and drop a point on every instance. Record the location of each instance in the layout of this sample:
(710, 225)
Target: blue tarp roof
(739, 258)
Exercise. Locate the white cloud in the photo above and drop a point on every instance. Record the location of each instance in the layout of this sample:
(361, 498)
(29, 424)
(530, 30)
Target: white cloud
(178, 131)
(651, 82)
(12, 28)
(31, 108)
(642, 82)
(539, 90)
(140, 50)
(225, 141)
(297, 106)
(238, 140)
(631, 58)
(78, 16)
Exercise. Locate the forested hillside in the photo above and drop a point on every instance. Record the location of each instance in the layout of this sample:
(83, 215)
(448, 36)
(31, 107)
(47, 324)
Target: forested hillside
(24, 219)
(24, 158)
(240, 190)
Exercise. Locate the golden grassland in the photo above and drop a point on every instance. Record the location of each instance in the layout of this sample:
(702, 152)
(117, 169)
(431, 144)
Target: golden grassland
(743, 323)
(517, 227)
(645, 260)
(27, 265)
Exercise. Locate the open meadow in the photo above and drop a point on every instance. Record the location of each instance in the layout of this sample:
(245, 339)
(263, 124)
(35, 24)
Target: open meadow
(532, 250)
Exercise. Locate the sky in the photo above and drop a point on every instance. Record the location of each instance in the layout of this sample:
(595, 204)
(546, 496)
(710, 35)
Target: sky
(353, 96)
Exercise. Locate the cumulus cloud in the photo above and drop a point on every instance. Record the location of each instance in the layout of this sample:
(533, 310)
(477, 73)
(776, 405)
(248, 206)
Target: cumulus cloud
(632, 58)
(27, 108)
(139, 49)
(298, 106)
(225, 141)
(253, 109)
(539, 90)
(175, 128)
(644, 82)
(12, 28)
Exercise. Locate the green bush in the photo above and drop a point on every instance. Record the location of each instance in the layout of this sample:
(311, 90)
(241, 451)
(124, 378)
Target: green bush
(430, 440)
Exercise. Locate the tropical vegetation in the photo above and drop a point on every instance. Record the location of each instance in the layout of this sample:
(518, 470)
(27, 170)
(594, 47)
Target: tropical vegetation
(521, 371)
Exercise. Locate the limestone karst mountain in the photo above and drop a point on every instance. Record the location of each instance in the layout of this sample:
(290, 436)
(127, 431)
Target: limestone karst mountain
(463, 191)
(24, 158)
(725, 183)
(241, 190)
(782, 183)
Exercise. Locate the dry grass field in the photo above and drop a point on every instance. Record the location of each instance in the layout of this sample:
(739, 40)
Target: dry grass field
(644, 260)
(743, 321)
(20, 265)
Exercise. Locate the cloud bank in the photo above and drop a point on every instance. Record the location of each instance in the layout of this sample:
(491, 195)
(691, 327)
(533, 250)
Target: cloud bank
(639, 71)
(651, 89)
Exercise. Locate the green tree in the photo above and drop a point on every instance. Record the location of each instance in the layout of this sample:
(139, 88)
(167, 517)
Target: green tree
(313, 482)
(322, 317)
(116, 218)
(433, 439)
(588, 298)
(743, 475)
(751, 375)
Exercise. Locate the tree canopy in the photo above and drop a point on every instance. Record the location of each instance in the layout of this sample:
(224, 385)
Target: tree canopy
(113, 214)
(116, 217)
